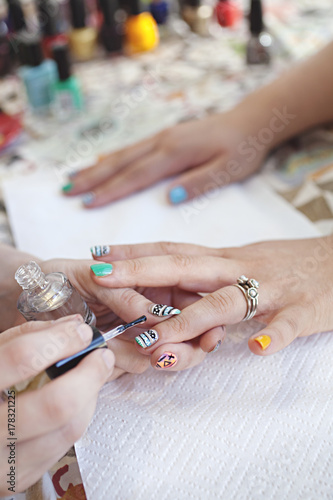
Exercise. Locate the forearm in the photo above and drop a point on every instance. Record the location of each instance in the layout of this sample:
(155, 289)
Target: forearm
(10, 259)
(298, 100)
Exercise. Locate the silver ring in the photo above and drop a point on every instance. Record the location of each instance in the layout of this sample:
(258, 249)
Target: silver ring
(249, 287)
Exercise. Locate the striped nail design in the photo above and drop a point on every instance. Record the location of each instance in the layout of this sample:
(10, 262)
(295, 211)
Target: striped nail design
(216, 347)
(88, 198)
(163, 310)
(167, 360)
(146, 339)
(99, 250)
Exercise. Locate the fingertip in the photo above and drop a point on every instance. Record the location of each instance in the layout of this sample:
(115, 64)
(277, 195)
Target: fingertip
(177, 194)
(260, 344)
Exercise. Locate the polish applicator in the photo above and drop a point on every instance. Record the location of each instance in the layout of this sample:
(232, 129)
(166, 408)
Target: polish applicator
(98, 341)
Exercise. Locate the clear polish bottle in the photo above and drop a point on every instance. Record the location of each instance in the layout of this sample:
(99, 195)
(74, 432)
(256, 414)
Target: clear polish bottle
(50, 296)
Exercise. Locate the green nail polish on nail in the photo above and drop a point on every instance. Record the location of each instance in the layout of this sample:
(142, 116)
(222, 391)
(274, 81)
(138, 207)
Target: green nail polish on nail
(101, 269)
(67, 187)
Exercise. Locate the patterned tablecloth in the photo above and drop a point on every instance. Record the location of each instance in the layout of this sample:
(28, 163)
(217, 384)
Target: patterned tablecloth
(185, 77)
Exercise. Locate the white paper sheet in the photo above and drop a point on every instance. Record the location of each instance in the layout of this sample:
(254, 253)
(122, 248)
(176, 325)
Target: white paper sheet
(49, 225)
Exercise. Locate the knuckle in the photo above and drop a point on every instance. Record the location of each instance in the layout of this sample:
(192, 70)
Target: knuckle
(73, 431)
(57, 408)
(180, 325)
(128, 297)
(17, 354)
(166, 247)
(139, 364)
(135, 266)
(220, 301)
(182, 261)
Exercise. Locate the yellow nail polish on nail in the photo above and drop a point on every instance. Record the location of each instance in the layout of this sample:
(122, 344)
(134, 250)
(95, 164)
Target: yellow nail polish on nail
(263, 341)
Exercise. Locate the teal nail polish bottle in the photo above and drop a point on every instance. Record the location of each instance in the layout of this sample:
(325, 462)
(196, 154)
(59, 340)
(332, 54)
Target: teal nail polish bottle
(38, 74)
(68, 96)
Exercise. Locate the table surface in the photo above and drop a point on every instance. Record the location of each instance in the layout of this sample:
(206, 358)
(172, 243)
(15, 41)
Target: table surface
(185, 77)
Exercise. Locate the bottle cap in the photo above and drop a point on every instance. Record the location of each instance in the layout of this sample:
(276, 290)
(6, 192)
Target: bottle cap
(78, 13)
(16, 16)
(30, 50)
(133, 7)
(60, 54)
(48, 17)
(109, 8)
(256, 22)
(192, 3)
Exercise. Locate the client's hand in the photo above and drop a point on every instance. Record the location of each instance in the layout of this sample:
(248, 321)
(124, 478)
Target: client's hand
(295, 292)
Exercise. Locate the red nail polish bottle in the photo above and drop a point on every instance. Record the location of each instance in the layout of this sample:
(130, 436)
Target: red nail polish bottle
(227, 13)
(50, 25)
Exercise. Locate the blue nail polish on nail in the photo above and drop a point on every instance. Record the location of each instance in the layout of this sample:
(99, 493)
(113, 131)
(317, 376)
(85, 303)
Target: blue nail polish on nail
(178, 194)
(73, 174)
(88, 198)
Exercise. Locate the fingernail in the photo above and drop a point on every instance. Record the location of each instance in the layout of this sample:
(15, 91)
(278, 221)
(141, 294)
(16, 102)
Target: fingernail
(178, 194)
(67, 187)
(146, 339)
(88, 198)
(73, 174)
(216, 347)
(85, 332)
(108, 359)
(99, 250)
(101, 269)
(263, 341)
(163, 310)
(167, 360)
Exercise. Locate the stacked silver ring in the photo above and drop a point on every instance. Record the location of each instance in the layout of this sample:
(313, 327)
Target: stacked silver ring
(249, 287)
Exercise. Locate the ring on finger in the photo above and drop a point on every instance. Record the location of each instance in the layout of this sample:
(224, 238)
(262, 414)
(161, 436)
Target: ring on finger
(249, 288)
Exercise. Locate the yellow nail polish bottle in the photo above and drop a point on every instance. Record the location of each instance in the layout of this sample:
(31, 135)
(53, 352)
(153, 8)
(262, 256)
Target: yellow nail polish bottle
(82, 38)
(141, 31)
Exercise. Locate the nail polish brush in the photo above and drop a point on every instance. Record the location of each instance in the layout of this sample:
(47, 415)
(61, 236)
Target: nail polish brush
(98, 341)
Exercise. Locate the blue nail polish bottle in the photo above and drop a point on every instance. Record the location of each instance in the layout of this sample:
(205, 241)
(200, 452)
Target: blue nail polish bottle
(38, 74)
(159, 9)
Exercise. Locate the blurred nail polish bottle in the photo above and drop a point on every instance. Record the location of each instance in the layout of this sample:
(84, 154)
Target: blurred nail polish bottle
(112, 31)
(6, 61)
(38, 74)
(49, 21)
(82, 38)
(50, 296)
(16, 19)
(197, 16)
(141, 30)
(159, 9)
(260, 42)
(68, 96)
(227, 13)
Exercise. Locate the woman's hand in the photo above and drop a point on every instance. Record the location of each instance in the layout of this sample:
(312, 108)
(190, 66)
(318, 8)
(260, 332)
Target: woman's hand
(203, 154)
(121, 305)
(45, 422)
(295, 294)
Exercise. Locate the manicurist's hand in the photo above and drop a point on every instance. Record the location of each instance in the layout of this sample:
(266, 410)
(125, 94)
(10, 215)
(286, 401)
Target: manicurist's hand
(202, 154)
(295, 292)
(45, 423)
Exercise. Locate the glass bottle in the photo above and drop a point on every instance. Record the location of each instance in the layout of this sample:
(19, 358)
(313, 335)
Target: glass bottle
(50, 296)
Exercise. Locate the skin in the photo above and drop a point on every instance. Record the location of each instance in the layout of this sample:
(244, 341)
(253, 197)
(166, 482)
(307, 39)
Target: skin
(219, 149)
(295, 294)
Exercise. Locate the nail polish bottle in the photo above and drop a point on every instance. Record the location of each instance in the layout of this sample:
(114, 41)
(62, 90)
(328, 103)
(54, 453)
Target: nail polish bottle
(159, 9)
(5, 51)
(50, 25)
(38, 74)
(140, 29)
(49, 297)
(260, 42)
(68, 96)
(197, 16)
(227, 13)
(82, 38)
(16, 19)
(112, 31)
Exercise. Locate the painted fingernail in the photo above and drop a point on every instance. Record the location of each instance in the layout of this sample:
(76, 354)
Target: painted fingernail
(102, 269)
(177, 195)
(67, 187)
(163, 310)
(167, 360)
(263, 341)
(146, 339)
(99, 250)
(88, 198)
(73, 174)
(216, 347)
